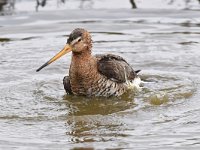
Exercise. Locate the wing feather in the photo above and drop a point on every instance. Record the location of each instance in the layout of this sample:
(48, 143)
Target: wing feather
(115, 68)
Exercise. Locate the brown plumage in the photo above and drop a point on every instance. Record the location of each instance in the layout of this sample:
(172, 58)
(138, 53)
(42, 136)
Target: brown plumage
(100, 75)
(115, 68)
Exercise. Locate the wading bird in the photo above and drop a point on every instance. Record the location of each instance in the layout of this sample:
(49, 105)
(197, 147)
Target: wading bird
(100, 75)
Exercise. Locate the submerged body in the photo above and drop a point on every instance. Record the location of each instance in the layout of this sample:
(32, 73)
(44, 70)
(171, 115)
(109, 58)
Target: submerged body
(100, 75)
(85, 78)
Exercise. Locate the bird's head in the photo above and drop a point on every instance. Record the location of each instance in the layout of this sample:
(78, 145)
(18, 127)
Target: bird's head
(79, 42)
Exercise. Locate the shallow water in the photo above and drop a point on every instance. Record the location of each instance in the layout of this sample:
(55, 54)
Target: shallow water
(37, 114)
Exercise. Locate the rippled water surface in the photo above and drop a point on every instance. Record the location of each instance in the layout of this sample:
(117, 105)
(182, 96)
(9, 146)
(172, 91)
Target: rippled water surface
(37, 114)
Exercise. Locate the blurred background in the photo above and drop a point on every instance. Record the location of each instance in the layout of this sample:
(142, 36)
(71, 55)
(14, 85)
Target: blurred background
(31, 5)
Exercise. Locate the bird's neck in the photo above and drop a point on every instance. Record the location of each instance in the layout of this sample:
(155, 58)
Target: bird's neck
(79, 58)
(82, 62)
(82, 68)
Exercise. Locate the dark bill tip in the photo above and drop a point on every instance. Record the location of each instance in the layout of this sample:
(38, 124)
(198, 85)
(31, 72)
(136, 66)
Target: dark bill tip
(42, 66)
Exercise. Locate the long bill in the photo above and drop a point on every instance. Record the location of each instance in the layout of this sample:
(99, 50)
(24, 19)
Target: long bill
(65, 50)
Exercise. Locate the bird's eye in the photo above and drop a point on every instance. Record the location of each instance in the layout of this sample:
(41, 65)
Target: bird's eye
(79, 40)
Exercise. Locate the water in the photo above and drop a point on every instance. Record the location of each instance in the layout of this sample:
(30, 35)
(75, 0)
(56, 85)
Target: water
(37, 114)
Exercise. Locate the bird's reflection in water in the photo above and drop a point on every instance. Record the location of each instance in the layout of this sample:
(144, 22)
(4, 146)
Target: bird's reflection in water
(80, 106)
(88, 117)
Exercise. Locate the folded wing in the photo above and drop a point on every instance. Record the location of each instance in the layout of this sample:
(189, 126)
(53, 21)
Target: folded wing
(115, 68)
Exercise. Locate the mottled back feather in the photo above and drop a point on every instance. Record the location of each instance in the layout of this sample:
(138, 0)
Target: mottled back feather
(115, 68)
